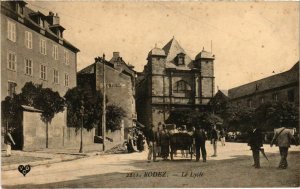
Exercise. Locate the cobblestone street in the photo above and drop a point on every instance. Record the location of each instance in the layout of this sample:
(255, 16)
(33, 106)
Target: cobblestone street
(231, 168)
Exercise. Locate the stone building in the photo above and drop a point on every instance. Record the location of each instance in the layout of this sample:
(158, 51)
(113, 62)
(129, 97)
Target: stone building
(172, 81)
(33, 49)
(280, 87)
(120, 86)
(219, 101)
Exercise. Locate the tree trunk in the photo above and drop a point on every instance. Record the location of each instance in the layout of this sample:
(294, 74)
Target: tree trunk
(47, 135)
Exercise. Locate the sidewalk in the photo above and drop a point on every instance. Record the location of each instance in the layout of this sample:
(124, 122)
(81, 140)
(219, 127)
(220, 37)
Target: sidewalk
(47, 156)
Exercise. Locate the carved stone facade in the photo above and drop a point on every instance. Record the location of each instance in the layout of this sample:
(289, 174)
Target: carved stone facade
(172, 81)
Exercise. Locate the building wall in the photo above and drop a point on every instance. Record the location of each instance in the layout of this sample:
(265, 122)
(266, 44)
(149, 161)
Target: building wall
(156, 106)
(282, 95)
(59, 135)
(274, 88)
(18, 76)
(119, 91)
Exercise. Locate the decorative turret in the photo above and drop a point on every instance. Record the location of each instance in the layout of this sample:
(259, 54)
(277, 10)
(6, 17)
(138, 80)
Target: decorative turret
(156, 52)
(156, 60)
(205, 55)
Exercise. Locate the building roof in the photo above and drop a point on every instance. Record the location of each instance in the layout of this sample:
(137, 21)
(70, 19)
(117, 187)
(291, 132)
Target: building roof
(225, 92)
(205, 55)
(29, 22)
(172, 49)
(156, 52)
(90, 69)
(288, 77)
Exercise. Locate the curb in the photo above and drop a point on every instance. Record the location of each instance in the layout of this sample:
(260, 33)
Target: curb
(36, 163)
(54, 160)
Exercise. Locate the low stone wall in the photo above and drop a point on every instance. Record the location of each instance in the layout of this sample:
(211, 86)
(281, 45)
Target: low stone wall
(59, 135)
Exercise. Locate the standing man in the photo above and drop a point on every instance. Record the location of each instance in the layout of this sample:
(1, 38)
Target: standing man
(151, 144)
(200, 139)
(158, 139)
(8, 140)
(255, 142)
(165, 143)
(283, 139)
(214, 139)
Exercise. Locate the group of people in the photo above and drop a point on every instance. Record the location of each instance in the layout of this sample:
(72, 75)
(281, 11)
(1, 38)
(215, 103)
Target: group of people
(282, 138)
(135, 141)
(158, 141)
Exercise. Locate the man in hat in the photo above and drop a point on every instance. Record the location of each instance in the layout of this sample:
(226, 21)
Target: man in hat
(151, 144)
(8, 140)
(255, 142)
(283, 139)
(200, 139)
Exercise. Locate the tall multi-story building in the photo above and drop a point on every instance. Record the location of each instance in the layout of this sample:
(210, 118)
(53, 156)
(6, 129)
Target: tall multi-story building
(120, 87)
(172, 81)
(280, 87)
(33, 49)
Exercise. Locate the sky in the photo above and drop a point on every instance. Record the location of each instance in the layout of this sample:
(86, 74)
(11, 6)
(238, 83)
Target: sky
(251, 40)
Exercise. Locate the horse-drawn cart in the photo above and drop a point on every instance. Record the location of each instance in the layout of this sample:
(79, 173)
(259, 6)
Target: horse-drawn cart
(181, 141)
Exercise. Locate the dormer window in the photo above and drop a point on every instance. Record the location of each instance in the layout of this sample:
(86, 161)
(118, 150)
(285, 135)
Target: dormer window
(19, 9)
(59, 33)
(38, 18)
(41, 22)
(180, 59)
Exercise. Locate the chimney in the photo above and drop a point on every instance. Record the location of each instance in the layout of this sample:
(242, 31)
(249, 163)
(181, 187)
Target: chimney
(116, 54)
(53, 19)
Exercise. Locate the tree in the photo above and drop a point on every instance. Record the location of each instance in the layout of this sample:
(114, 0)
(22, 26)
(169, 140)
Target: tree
(238, 118)
(85, 111)
(192, 118)
(275, 114)
(114, 115)
(44, 99)
(75, 100)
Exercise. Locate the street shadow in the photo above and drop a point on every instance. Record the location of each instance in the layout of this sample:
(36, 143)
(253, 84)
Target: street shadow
(121, 179)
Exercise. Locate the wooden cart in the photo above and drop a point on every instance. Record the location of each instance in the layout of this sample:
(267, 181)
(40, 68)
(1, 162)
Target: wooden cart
(181, 141)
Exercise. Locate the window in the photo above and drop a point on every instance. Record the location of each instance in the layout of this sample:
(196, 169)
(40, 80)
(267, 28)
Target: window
(11, 31)
(55, 76)
(275, 97)
(180, 58)
(66, 57)
(291, 95)
(11, 88)
(262, 100)
(43, 72)
(11, 61)
(28, 39)
(182, 86)
(59, 34)
(66, 80)
(28, 67)
(250, 103)
(55, 52)
(43, 46)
